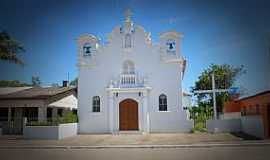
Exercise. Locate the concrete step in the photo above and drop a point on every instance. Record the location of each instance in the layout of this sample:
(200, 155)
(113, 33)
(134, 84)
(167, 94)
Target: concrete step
(130, 132)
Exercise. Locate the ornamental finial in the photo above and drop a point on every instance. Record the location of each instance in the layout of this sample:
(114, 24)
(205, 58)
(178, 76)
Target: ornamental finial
(128, 14)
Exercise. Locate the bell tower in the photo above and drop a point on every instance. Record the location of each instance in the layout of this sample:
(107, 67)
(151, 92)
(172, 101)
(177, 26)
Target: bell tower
(170, 45)
(87, 50)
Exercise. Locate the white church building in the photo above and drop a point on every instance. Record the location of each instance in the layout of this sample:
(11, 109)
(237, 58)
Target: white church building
(129, 83)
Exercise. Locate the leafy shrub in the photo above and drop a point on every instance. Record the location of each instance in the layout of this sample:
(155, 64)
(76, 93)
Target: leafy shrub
(200, 126)
(200, 114)
(70, 118)
(67, 118)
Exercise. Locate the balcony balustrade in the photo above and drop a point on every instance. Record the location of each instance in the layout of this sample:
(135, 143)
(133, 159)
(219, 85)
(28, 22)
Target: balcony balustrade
(128, 81)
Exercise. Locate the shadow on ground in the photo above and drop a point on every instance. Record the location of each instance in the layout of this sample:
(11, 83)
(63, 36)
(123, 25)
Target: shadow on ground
(245, 136)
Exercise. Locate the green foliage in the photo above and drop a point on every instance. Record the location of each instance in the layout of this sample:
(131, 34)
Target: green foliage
(67, 118)
(13, 83)
(74, 82)
(9, 49)
(70, 118)
(200, 126)
(200, 114)
(225, 77)
(36, 81)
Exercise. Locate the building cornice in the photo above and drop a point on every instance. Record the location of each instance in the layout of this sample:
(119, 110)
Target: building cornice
(128, 90)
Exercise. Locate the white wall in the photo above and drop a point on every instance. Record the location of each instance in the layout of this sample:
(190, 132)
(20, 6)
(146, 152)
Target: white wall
(169, 122)
(50, 132)
(40, 132)
(253, 125)
(67, 130)
(232, 115)
(225, 125)
(187, 102)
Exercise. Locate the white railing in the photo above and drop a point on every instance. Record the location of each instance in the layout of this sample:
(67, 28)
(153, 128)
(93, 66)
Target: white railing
(128, 81)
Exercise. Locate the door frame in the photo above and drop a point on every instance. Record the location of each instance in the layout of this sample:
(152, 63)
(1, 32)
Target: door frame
(137, 119)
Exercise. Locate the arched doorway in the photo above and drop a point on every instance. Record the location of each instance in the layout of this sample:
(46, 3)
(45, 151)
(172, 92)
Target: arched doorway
(128, 115)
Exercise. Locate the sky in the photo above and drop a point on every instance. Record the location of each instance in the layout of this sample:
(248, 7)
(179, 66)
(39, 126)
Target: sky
(215, 32)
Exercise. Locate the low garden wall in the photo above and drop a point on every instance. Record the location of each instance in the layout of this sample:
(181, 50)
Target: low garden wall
(232, 115)
(223, 125)
(169, 122)
(253, 125)
(50, 132)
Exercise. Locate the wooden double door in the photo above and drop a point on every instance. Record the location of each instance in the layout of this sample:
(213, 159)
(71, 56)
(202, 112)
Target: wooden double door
(128, 115)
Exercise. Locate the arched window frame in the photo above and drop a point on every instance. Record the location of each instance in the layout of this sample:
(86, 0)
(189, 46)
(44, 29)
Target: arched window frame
(128, 67)
(128, 40)
(162, 102)
(87, 49)
(96, 104)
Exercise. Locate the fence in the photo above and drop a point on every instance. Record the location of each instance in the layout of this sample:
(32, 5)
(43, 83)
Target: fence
(14, 126)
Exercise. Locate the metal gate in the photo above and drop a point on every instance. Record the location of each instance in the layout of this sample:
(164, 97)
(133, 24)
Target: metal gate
(14, 126)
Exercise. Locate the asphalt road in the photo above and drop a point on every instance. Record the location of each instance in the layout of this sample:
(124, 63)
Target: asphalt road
(213, 153)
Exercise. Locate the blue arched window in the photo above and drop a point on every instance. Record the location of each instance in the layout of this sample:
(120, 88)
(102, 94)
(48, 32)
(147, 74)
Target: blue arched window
(96, 104)
(162, 102)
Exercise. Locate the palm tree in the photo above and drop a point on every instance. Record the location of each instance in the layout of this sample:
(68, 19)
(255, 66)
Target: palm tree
(9, 48)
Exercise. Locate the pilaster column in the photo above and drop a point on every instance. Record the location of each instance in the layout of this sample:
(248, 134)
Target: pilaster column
(54, 113)
(18, 120)
(146, 113)
(9, 119)
(111, 112)
(9, 114)
(42, 113)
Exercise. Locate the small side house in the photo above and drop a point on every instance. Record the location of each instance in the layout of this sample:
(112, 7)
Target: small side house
(254, 112)
(34, 104)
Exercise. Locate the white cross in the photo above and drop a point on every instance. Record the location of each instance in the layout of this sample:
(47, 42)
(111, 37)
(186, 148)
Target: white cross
(213, 91)
(128, 14)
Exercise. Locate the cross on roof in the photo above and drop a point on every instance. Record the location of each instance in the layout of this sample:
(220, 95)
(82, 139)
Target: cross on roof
(128, 14)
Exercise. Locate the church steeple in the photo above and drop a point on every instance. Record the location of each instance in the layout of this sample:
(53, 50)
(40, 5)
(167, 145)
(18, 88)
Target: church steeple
(128, 24)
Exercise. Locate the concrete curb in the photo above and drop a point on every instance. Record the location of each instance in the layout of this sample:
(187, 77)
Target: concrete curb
(203, 145)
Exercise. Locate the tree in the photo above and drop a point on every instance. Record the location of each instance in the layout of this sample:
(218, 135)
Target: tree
(13, 83)
(55, 85)
(74, 82)
(36, 81)
(225, 77)
(9, 49)
(193, 112)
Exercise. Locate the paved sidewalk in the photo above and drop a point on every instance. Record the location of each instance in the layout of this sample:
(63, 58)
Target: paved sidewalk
(125, 139)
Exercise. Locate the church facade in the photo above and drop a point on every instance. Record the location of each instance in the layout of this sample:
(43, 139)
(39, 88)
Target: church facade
(129, 83)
